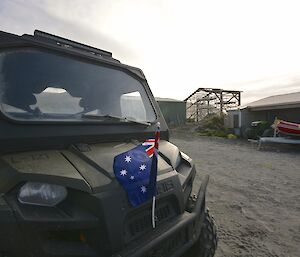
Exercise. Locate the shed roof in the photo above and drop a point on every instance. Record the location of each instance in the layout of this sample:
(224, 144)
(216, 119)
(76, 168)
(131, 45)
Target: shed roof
(291, 100)
(161, 99)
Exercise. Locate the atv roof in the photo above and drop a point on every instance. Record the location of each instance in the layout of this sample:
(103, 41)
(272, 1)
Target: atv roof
(41, 38)
(63, 42)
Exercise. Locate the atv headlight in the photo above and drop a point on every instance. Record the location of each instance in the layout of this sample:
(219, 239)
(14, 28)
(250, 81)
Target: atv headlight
(41, 194)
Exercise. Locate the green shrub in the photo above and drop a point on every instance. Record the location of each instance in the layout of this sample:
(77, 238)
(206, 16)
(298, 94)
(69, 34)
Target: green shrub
(231, 136)
(212, 125)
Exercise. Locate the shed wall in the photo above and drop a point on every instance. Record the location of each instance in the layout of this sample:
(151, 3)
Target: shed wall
(292, 115)
(247, 116)
(174, 112)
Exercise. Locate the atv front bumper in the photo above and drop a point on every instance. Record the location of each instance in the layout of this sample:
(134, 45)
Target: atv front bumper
(174, 238)
(171, 238)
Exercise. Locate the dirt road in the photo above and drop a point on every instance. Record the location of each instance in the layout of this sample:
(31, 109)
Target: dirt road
(253, 195)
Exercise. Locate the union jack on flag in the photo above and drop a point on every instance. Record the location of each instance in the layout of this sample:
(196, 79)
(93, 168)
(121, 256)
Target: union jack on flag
(150, 143)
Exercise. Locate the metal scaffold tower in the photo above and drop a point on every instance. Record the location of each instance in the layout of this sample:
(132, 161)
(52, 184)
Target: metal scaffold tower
(206, 101)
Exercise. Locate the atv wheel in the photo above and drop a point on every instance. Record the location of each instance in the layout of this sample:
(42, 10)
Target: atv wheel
(206, 245)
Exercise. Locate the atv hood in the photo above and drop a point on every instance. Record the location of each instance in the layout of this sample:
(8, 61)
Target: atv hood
(85, 167)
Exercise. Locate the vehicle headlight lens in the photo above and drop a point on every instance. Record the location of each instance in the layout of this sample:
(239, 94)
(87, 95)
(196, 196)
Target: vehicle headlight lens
(41, 194)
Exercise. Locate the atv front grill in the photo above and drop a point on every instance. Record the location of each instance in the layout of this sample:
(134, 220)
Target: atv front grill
(141, 222)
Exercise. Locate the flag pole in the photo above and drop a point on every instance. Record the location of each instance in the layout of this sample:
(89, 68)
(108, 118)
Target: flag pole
(153, 211)
(157, 137)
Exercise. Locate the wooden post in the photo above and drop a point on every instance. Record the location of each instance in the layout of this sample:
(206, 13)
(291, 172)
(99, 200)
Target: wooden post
(221, 102)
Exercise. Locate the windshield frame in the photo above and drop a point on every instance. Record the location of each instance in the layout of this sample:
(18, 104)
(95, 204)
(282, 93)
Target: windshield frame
(84, 58)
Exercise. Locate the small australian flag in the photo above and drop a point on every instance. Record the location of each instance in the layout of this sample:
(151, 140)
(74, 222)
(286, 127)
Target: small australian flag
(136, 171)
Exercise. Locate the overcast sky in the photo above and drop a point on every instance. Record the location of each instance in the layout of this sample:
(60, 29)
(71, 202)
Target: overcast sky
(253, 46)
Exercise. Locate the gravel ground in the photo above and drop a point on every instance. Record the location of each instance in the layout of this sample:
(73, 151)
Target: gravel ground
(253, 195)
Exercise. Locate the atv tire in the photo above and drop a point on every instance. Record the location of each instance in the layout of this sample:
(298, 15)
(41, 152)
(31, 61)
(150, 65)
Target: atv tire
(207, 243)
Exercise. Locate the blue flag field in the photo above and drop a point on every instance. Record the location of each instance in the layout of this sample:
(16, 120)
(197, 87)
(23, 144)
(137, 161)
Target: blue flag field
(136, 171)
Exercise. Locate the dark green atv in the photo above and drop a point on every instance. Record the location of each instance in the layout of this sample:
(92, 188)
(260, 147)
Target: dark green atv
(67, 110)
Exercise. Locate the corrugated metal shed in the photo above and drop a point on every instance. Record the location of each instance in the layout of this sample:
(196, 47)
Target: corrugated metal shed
(174, 111)
(285, 107)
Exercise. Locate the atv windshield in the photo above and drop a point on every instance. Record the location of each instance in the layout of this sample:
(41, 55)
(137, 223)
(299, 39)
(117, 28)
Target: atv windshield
(42, 86)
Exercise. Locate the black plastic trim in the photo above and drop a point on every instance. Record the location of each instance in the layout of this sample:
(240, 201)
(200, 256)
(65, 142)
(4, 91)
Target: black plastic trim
(185, 221)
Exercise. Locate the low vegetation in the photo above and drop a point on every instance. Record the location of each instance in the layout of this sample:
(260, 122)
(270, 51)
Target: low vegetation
(213, 125)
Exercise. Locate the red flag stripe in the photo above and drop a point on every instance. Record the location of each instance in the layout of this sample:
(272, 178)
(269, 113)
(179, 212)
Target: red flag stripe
(157, 138)
(150, 151)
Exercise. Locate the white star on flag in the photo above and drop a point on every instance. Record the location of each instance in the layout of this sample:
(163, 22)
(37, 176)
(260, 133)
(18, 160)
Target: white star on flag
(132, 177)
(127, 158)
(143, 189)
(123, 173)
(143, 167)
